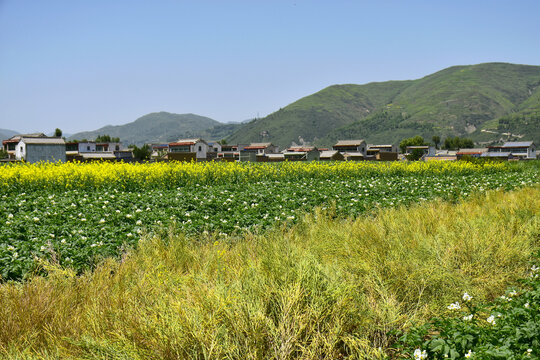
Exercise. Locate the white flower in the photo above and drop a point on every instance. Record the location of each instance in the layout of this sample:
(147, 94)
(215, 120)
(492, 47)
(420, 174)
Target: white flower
(63, 241)
(535, 268)
(526, 305)
(139, 222)
(129, 235)
(468, 317)
(101, 221)
(467, 297)
(419, 354)
(43, 248)
(454, 306)
(491, 320)
(15, 255)
(36, 219)
(469, 354)
(138, 210)
(51, 235)
(10, 216)
(129, 216)
(83, 219)
(512, 293)
(10, 248)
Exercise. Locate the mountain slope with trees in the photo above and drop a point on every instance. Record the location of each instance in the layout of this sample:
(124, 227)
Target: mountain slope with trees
(482, 102)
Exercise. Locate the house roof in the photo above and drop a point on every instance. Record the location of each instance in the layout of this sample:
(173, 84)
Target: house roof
(275, 156)
(353, 154)
(472, 151)
(301, 148)
(43, 141)
(517, 144)
(295, 153)
(328, 153)
(418, 147)
(184, 142)
(496, 154)
(99, 155)
(371, 146)
(255, 146)
(349, 143)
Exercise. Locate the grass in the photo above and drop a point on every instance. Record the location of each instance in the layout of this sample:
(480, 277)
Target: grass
(325, 288)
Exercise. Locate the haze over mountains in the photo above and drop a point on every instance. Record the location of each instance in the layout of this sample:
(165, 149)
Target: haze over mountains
(486, 102)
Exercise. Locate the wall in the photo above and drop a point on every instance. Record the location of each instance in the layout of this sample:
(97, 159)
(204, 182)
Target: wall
(40, 152)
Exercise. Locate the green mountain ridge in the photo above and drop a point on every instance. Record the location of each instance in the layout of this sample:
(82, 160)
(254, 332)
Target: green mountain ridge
(483, 102)
(161, 127)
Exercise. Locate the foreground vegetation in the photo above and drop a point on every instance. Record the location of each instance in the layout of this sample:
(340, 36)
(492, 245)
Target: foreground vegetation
(326, 287)
(76, 214)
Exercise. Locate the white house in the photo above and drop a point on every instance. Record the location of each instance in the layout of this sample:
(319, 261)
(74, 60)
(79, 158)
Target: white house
(522, 149)
(34, 150)
(198, 147)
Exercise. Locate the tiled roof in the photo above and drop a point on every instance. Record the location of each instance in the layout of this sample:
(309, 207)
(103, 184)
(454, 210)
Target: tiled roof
(349, 142)
(517, 144)
(43, 141)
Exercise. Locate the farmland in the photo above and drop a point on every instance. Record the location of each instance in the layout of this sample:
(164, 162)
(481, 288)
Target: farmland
(77, 214)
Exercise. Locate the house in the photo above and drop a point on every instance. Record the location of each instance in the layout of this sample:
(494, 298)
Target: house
(354, 156)
(442, 155)
(262, 148)
(231, 152)
(427, 150)
(302, 153)
(10, 145)
(331, 155)
(270, 157)
(98, 156)
(473, 152)
(382, 152)
(497, 155)
(521, 150)
(352, 147)
(36, 149)
(188, 150)
(92, 146)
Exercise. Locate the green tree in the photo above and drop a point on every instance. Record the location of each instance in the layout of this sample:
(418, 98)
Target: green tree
(454, 143)
(414, 141)
(436, 140)
(142, 153)
(58, 132)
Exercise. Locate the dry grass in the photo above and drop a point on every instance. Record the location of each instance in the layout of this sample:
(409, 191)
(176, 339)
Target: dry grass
(325, 288)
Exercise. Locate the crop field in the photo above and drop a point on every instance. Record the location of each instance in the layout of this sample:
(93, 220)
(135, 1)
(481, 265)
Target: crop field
(76, 214)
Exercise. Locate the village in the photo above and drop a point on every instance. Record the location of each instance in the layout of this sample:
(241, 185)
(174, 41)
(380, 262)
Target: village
(37, 147)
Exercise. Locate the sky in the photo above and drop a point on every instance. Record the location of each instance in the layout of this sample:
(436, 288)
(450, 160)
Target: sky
(80, 65)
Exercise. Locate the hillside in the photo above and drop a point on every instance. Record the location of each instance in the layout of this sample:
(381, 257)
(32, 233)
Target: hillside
(163, 127)
(459, 101)
(6, 134)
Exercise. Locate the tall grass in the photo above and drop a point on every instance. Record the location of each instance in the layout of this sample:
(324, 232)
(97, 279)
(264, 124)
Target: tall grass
(325, 288)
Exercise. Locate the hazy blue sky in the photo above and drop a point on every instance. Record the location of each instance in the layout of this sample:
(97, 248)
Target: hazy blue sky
(79, 65)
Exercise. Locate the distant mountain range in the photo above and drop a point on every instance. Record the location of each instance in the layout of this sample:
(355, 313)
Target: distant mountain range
(489, 103)
(163, 127)
(486, 102)
(6, 134)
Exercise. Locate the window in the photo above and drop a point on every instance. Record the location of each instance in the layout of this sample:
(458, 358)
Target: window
(200, 148)
(88, 148)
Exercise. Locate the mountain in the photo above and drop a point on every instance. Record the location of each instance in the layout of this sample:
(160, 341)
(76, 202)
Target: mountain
(162, 127)
(6, 134)
(486, 102)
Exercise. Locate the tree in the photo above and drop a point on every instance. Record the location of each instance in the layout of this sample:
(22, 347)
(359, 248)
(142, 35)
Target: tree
(58, 132)
(436, 140)
(142, 153)
(454, 143)
(414, 141)
(107, 138)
